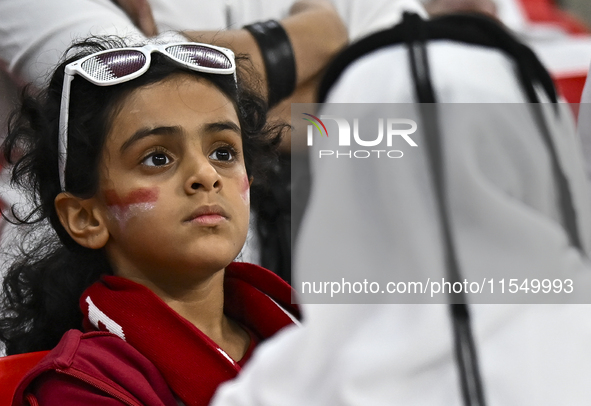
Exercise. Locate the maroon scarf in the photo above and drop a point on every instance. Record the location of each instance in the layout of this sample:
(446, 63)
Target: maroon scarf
(191, 363)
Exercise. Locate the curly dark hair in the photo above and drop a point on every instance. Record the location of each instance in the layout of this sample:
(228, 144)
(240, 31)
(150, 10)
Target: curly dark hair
(42, 286)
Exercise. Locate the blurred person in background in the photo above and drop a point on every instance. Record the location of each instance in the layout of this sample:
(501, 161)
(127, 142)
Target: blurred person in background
(33, 35)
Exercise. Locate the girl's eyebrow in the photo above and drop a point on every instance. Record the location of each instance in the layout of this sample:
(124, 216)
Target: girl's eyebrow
(144, 132)
(221, 126)
(175, 130)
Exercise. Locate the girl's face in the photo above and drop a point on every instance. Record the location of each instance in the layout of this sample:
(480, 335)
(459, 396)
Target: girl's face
(173, 185)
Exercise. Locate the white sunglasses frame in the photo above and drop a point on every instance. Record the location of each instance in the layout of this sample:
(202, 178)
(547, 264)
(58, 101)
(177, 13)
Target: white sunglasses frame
(74, 68)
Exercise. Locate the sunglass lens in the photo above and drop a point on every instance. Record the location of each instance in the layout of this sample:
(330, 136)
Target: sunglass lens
(200, 56)
(114, 65)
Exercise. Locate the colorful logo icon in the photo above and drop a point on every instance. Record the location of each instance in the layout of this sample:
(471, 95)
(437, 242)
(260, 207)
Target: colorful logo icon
(316, 125)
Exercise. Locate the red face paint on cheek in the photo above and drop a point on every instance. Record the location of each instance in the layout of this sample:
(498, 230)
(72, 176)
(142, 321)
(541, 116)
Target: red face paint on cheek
(245, 190)
(142, 195)
(134, 203)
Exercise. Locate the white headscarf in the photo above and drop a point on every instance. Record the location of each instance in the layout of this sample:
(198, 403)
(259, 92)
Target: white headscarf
(505, 216)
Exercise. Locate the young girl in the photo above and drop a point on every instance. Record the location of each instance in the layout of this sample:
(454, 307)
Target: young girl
(141, 160)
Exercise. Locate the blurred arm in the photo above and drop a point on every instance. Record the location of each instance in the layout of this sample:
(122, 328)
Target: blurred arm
(316, 32)
(35, 33)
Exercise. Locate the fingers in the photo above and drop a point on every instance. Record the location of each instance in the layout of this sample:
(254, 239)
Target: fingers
(306, 5)
(140, 12)
(438, 7)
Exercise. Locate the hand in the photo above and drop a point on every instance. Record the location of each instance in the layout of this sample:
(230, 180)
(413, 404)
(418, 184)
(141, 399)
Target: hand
(140, 12)
(311, 5)
(439, 7)
(317, 34)
(315, 30)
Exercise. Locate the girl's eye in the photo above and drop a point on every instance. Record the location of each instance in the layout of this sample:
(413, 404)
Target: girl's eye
(158, 159)
(222, 154)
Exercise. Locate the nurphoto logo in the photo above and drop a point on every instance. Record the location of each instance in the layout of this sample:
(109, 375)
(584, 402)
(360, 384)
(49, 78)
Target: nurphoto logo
(394, 127)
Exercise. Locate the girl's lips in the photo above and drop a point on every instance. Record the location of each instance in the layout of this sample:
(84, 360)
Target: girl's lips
(209, 219)
(208, 215)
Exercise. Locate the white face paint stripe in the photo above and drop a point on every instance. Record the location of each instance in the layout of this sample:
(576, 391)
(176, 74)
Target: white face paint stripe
(246, 196)
(95, 315)
(123, 213)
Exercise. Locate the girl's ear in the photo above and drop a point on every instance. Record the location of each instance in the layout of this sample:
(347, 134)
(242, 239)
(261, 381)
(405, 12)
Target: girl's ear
(82, 219)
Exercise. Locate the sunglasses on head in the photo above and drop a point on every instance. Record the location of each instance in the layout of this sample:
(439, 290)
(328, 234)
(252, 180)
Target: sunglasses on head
(107, 68)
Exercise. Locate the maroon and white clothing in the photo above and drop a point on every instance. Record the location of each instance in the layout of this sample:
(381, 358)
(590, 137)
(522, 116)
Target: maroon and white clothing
(138, 351)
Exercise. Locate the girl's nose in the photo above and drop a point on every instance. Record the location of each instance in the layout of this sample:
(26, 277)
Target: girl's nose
(202, 175)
